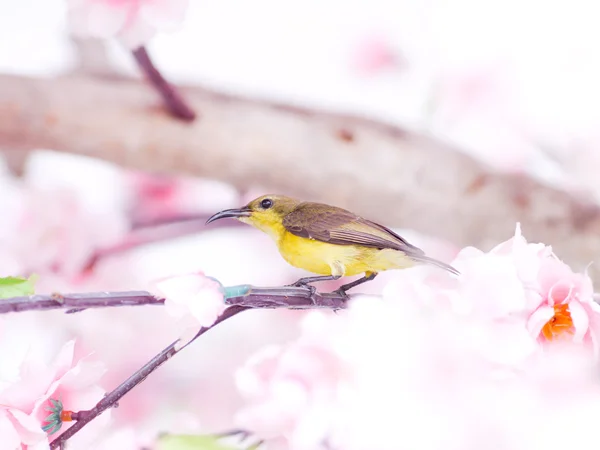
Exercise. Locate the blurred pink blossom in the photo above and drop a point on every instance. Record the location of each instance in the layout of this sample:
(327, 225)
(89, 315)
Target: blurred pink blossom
(194, 298)
(476, 107)
(295, 387)
(54, 231)
(159, 197)
(55, 217)
(20, 431)
(375, 54)
(456, 354)
(24, 402)
(133, 22)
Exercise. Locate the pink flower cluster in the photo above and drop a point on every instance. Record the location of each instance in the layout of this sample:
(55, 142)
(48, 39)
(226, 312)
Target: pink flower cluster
(55, 217)
(502, 357)
(26, 401)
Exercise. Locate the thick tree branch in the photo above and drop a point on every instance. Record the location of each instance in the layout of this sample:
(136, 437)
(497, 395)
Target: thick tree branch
(393, 176)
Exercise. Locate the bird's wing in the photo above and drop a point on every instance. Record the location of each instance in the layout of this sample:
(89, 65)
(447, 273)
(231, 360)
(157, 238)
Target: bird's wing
(338, 226)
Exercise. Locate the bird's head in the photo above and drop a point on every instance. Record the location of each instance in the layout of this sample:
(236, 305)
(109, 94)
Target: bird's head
(265, 213)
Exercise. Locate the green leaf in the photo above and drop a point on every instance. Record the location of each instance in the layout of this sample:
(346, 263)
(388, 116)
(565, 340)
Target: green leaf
(191, 442)
(17, 286)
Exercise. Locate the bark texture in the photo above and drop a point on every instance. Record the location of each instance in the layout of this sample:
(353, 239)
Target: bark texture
(394, 176)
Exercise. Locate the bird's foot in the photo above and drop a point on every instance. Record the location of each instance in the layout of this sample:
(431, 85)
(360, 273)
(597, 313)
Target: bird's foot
(341, 292)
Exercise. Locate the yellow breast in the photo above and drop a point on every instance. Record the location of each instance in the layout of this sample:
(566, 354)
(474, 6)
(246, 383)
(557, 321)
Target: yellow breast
(320, 257)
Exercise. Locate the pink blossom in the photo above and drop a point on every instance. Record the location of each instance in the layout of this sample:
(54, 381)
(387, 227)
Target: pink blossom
(194, 298)
(292, 391)
(55, 217)
(457, 355)
(24, 402)
(59, 233)
(21, 431)
(133, 22)
(163, 198)
(567, 310)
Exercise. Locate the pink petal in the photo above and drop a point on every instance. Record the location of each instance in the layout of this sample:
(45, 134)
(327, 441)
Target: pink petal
(581, 321)
(552, 270)
(85, 398)
(28, 427)
(83, 375)
(137, 33)
(560, 293)
(64, 360)
(192, 295)
(98, 19)
(538, 319)
(35, 378)
(595, 307)
(506, 342)
(208, 306)
(253, 378)
(10, 438)
(164, 15)
(507, 247)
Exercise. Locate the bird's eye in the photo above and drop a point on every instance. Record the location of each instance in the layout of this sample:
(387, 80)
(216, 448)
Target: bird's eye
(266, 203)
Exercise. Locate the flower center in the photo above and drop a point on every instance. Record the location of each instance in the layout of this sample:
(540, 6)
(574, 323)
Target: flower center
(561, 323)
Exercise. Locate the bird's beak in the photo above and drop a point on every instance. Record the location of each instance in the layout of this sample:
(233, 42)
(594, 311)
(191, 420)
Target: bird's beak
(235, 213)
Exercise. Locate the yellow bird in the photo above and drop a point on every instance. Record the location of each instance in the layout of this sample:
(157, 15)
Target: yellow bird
(329, 241)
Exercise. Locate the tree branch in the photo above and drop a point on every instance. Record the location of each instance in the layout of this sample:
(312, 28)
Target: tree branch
(244, 295)
(240, 298)
(393, 176)
(78, 302)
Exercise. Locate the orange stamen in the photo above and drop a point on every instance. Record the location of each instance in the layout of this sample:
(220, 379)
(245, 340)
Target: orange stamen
(66, 416)
(561, 323)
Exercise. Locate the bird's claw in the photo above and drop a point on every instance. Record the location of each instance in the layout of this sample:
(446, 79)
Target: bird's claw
(301, 284)
(312, 289)
(341, 292)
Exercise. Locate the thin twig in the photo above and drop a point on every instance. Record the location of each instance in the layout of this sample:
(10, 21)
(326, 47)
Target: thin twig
(84, 417)
(78, 301)
(173, 101)
(244, 295)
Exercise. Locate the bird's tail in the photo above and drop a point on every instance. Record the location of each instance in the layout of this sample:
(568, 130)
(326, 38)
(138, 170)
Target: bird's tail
(427, 260)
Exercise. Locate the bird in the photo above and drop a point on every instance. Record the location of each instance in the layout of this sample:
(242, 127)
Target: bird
(329, 241)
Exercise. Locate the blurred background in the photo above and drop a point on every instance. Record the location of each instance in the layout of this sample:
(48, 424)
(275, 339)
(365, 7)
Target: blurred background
(464, 91)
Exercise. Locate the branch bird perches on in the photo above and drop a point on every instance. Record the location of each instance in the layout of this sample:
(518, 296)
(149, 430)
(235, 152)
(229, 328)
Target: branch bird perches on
(239, 298)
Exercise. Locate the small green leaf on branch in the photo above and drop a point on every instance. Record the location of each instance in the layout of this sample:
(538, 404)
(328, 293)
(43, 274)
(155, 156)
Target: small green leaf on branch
(17, 286)
(191, 442)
